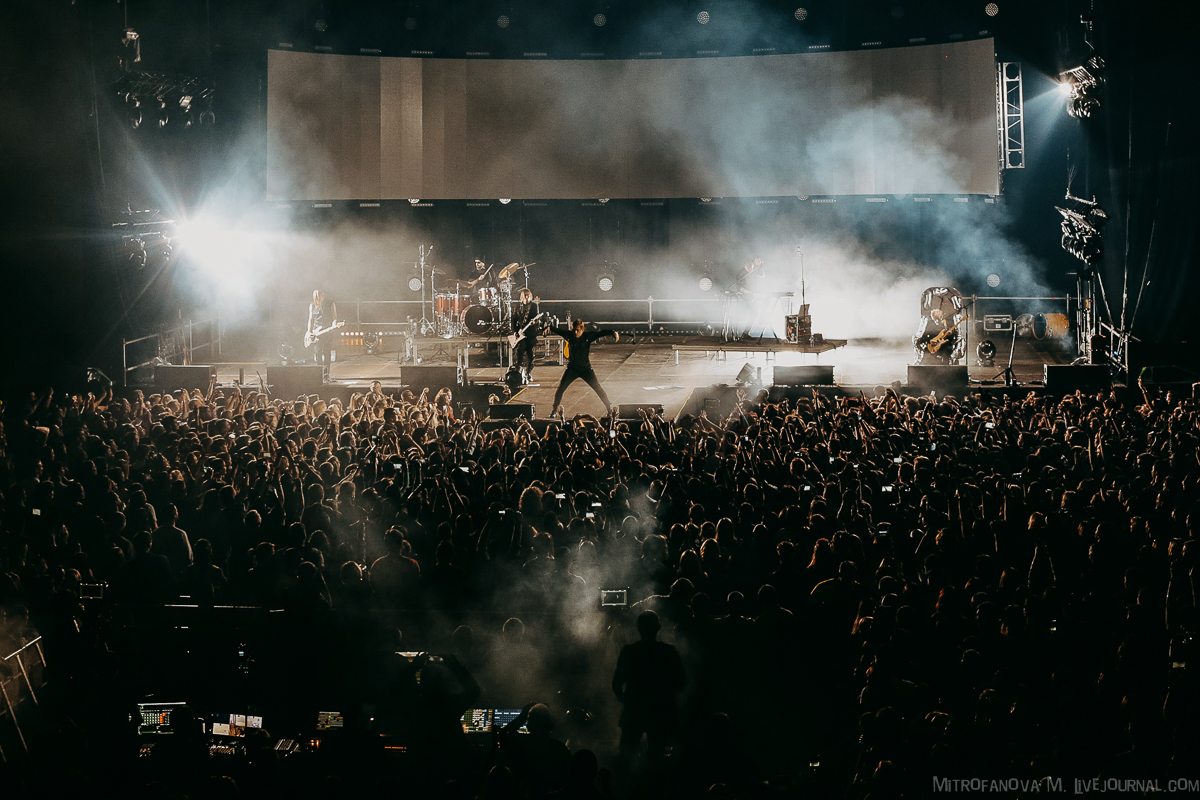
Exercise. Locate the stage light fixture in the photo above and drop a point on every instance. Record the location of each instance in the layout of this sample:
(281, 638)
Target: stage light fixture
(185, 108)
(599, 20)
(160, 112)
(1083, 85)
(321, 25)
(991, 9)
(410, 24)
(414, 200)
(503, 21)
(207, 117)
(993, 280)
(133, 110)
(703, 18)
(705, 283)
(985, 352)
(414, 283)
(285, 352)
(371, 341)
(505, 201)
(603, 200)
(745, 376)
(605, 281)
(1081, 229)
(801, 14)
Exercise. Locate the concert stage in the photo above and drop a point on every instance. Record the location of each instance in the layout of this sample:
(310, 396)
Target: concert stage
(664, 369)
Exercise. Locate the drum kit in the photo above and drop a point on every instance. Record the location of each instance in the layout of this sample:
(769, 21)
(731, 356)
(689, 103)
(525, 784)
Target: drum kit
(475, 311)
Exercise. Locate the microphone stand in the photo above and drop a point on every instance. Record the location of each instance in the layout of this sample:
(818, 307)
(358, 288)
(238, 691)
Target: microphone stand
(424, 320)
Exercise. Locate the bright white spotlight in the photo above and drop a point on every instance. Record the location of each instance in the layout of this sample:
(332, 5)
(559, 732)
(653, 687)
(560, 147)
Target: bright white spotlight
(414, 283)
(993, 280)
(605, 282)
(801, 14)
(991, 9)
(503, 21)
(505, 201)
(703, 18)
(705, 283)
(599, 20)
(230, 259)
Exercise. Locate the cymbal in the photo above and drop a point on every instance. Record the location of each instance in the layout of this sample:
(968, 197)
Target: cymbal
(509, 270)
(436, 271)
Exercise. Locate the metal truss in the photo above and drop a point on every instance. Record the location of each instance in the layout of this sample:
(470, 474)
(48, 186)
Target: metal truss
(1010, 115)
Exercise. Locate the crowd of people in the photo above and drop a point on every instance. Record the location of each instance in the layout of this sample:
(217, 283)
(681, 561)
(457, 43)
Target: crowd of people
(829, 596)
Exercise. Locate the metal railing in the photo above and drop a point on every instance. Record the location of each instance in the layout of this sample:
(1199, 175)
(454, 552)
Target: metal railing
(179, 344)
(25, 669)
(643, 311)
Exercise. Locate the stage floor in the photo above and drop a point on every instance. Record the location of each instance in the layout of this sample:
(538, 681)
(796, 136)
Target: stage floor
(644, 369)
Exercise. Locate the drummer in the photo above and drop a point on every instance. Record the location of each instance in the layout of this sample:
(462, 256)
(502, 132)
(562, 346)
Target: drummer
(484, 280)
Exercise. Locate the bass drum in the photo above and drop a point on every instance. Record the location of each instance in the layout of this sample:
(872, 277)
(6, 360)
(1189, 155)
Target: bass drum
(478, 320)
(1051, 326)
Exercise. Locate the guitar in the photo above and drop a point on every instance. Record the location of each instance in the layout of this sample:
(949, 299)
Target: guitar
(312, 336)
(520, 335)
(935, 342)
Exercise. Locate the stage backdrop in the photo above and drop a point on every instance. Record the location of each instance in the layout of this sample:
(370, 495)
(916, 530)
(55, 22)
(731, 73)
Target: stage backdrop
(912, 120)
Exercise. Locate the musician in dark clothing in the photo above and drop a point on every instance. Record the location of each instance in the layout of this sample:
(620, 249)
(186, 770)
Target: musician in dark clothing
(525, 333)
(579, 362)
(321, 315)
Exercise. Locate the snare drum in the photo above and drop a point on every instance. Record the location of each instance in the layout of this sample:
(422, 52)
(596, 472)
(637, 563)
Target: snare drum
(449, 305)
(488, 297)
(1051, 326)
(478, 320)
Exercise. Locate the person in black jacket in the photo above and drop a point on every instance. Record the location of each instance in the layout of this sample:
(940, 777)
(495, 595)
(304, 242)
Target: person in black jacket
(648, 675)
(579, 363)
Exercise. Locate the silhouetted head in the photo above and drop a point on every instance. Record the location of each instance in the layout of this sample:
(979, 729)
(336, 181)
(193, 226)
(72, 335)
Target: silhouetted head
(648, 625)
(540, 722)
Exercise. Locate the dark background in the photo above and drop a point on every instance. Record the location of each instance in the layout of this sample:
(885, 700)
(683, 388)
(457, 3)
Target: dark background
(71, 164)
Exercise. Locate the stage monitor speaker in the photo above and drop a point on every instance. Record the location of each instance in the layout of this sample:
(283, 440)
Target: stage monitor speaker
(630, 410)
(511, 411)
(814, 375)
(169, 377)
(434, 379)
(1069, 377)
(291, 381)
(937, 377)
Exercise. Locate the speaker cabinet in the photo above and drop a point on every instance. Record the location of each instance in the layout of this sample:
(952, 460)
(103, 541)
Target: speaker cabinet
(814, 375)
(510, 411)
(630, 410)
(937, 377)
(192, 376)
(434, 379)
(291, 381)
(1069, 377)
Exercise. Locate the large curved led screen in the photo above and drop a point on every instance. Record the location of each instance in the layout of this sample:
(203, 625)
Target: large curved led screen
(898, 121)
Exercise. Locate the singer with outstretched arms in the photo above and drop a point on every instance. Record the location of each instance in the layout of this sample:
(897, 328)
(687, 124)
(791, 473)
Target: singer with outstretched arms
(578, 348)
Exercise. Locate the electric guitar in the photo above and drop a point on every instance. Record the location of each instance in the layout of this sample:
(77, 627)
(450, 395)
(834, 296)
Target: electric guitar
(312, 336)
(935, 342)
(520, 335)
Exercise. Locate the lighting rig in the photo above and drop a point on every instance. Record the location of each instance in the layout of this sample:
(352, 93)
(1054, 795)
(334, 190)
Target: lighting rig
(163, 99)
(145, 236)
(1082, 221)
(1084, 85)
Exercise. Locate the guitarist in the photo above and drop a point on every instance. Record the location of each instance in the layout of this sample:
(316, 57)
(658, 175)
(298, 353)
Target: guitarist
(525, 333)
(322, 315)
